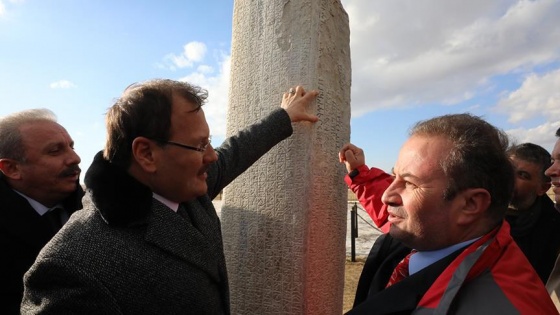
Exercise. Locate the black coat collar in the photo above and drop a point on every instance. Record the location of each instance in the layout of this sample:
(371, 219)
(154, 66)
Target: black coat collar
(121, 199)
(72, 203)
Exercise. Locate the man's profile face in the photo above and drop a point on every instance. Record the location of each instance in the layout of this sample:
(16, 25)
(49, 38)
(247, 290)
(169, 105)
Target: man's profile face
(529, 184)
(182, 172)
(554, 172)
(419, 215)
(50, 172)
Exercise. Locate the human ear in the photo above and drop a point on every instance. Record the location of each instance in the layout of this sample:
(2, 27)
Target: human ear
(10, 168)
(476, 202)
(143, 154)
(543, 188)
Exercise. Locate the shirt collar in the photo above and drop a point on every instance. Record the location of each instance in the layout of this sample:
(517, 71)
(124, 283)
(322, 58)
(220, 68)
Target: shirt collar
(171, 204)
(421, 260)
(39, 207)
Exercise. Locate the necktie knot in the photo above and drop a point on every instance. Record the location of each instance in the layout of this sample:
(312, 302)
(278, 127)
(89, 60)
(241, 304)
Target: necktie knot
(401, 270)
(54, 217)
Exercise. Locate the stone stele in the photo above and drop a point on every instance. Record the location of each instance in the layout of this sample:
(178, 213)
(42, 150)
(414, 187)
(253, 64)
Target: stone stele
(284, 219)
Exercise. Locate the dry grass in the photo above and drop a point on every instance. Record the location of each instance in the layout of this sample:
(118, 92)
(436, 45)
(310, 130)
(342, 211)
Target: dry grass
(351, 276)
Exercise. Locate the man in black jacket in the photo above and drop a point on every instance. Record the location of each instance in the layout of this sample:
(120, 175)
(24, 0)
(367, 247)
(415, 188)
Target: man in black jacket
(553, 283)
(534, 221)
(150, 242)
(38, 173)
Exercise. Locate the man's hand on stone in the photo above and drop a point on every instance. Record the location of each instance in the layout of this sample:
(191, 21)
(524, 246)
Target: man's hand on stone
(296, 102)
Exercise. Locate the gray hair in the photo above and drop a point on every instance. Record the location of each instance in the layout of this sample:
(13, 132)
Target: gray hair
(11, 144)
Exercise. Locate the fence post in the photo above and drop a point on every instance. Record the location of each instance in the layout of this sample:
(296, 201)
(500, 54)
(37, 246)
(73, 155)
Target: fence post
(354, 229)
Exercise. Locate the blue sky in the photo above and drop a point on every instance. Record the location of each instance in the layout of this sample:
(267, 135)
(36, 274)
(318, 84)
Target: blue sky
(411, 60)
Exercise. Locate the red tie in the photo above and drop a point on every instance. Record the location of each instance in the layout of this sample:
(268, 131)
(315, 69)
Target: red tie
(401, 270)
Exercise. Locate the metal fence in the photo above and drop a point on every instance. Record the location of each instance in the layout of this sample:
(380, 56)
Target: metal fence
(355, 219)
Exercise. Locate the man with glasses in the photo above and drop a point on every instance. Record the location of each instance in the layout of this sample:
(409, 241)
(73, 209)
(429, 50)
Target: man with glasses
(150, 241)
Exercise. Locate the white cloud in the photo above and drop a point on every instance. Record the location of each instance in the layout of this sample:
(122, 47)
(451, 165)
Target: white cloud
(205, 69)
(62, 84)
(193, 52)
(3, 6)
(407, 53)
(538, 96)
(218, 89)
(410, 53)
(543, 135)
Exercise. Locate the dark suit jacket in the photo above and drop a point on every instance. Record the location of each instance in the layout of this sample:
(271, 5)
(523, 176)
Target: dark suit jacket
(402, 297)
(129, 254)
(536, 231)
(23, 232)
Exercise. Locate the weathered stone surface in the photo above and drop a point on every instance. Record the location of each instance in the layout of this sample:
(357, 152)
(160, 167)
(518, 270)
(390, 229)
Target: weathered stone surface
(284, 220)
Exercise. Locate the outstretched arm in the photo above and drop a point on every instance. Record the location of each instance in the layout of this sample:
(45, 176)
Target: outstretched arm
(238, 152)
(367, 184)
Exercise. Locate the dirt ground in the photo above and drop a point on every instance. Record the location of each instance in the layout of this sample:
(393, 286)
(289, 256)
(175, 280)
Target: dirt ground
(352, 274)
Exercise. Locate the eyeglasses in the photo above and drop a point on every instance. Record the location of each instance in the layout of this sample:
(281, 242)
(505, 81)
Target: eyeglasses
(201, 148)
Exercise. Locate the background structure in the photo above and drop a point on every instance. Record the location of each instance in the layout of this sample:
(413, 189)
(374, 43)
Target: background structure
(284, 220)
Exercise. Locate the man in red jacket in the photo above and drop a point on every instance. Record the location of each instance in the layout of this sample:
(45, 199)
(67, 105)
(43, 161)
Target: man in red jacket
(531, 212)
(445, 208)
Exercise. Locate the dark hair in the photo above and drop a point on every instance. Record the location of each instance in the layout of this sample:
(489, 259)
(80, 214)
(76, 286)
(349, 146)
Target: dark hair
(144, 109)
(477, 158)
(532, 153)
(558, 132)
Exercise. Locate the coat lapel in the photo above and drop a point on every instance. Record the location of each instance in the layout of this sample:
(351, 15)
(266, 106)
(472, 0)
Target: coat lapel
(404, 296)
(123, 201)
(172, 233)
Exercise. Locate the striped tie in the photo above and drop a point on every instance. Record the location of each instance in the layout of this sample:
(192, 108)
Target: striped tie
(401, 270)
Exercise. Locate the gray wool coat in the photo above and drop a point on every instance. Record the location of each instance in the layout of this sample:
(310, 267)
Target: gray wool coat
(126, 253)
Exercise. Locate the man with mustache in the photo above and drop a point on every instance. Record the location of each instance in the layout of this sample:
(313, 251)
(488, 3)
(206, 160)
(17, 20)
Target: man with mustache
(150, 242)
(38, 173)
(448, 249)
